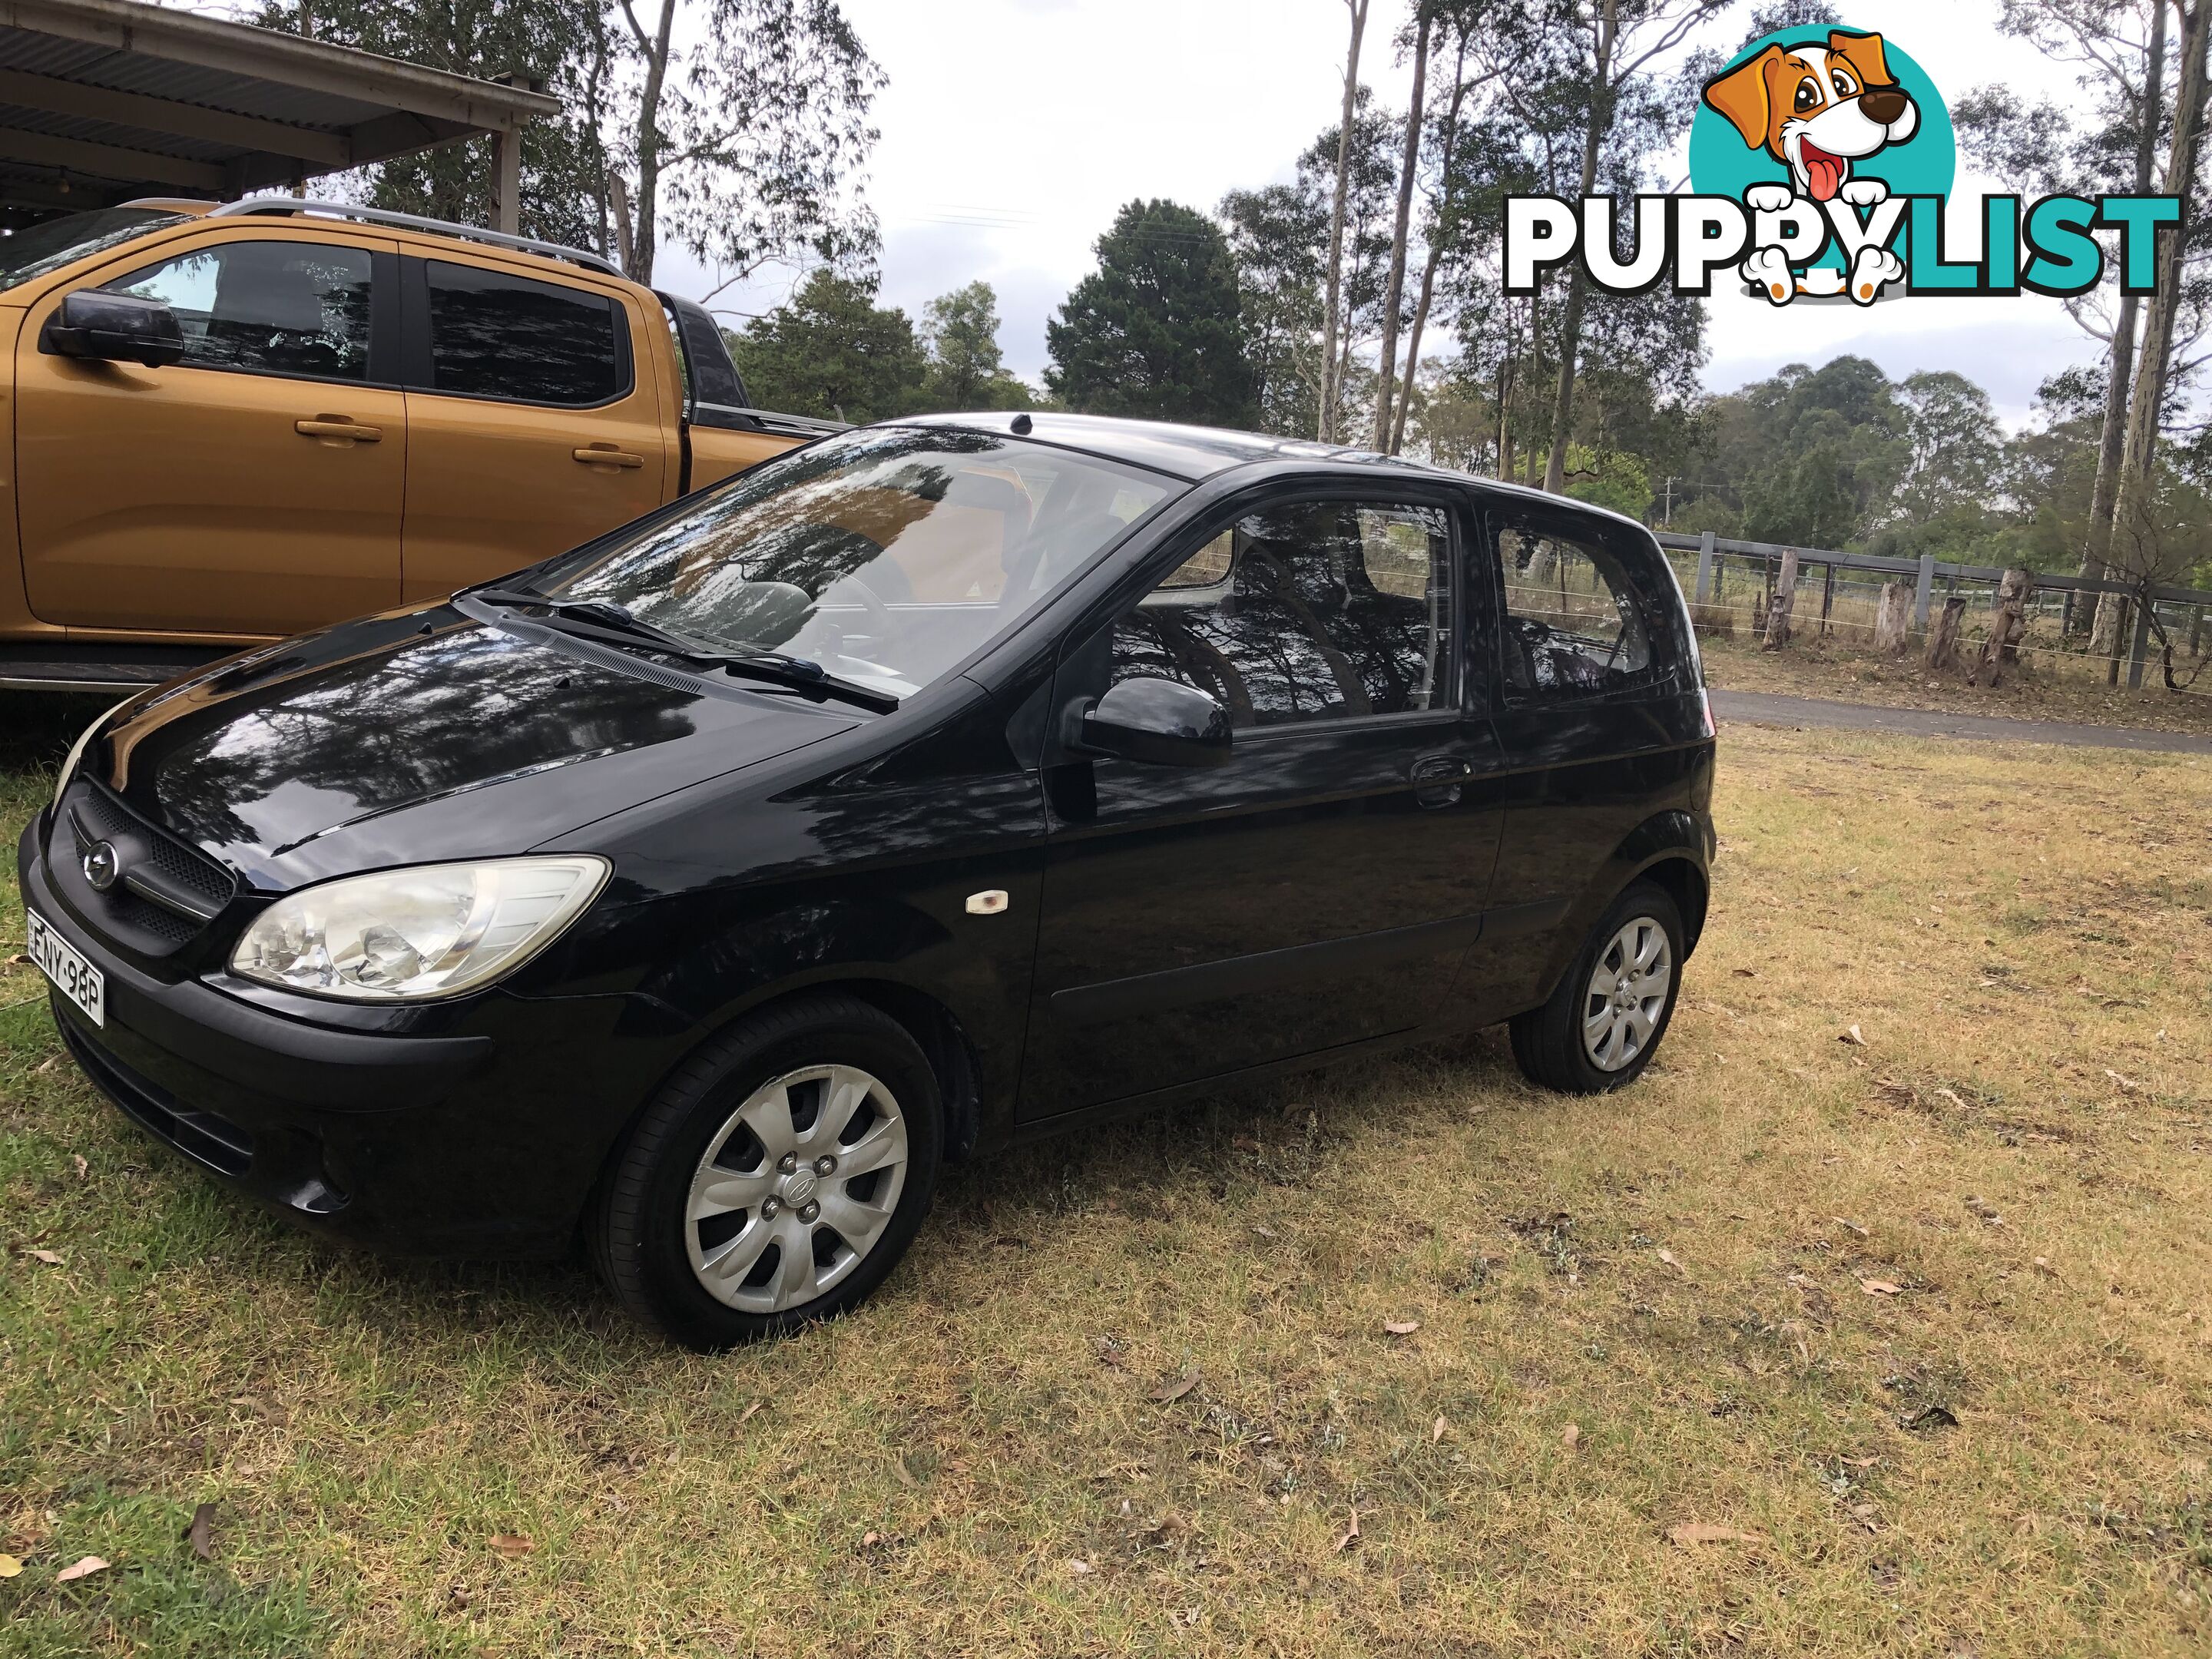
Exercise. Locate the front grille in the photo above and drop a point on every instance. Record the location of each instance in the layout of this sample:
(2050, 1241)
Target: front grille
(202, 1136)
(168, 890)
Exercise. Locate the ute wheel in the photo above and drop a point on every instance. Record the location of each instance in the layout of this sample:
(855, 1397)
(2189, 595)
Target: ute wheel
(777, 1178)
(1604, 1022)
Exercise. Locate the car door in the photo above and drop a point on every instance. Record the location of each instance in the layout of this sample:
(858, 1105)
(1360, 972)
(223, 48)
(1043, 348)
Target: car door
(1320, 887)
(252, 487)
(1582, 652)
(536, 424)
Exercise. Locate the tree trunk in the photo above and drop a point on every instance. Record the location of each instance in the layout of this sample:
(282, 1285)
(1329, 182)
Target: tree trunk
(2131, 549)
(1327, 428)
(2007, 622)
(1943, 638)
(645, 235)
(1783, 602)
(1892, 619)
(1447, 150)
(1570, 323)
(625, 238)
(2120, 374)
(1394, 293)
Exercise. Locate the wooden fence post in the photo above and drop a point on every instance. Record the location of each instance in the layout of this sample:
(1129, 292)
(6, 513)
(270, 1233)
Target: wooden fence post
(1924, 592)
(1892, 619)
(1827, 594)
(2007, 623)
(1705, 565)
(2141, 644)
(1779, 606)
(1943, 638)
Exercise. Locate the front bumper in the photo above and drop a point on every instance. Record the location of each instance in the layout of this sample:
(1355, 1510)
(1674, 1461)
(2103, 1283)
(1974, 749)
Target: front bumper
(482, 1141)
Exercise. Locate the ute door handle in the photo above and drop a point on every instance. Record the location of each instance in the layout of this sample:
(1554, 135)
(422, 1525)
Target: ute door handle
(335, 428)
(1437, 778)
(608, 455)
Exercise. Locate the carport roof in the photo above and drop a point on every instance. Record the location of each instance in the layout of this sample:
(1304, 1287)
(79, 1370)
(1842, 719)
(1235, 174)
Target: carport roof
(113, 99)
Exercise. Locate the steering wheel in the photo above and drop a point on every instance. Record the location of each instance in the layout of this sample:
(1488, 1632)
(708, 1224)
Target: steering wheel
(888, 631)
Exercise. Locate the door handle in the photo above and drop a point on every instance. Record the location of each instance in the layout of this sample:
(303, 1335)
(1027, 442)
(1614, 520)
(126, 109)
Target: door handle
(336, 427)
(594, 456)
(1437, 778)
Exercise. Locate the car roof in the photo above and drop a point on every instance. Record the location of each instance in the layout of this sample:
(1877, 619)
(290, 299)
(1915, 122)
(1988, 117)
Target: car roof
(1194, 453)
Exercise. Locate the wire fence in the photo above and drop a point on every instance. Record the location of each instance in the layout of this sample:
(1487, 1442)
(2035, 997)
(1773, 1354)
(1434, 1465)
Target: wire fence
(1838, 597)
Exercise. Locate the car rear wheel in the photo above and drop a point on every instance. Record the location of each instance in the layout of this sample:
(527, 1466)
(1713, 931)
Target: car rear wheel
(778, 1178)
(1605, 1020)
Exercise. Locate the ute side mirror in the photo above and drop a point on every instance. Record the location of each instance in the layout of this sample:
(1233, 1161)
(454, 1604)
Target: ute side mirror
(1158, 722)
(94, 325)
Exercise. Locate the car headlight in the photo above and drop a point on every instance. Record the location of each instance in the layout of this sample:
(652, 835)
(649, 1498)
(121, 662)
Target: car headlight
(76, 753)
(435, 930)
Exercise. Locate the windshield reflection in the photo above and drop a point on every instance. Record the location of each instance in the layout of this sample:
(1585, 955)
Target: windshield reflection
(887, 556)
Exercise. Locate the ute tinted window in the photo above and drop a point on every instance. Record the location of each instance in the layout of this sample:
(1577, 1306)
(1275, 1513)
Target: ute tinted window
(496, 336)
(299, 308)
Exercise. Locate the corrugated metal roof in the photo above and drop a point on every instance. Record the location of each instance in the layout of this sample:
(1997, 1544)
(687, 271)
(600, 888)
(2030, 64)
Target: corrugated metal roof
(109, 99)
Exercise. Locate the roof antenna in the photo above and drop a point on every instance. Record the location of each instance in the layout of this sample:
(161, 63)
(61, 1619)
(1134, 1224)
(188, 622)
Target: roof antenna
(1020, 427)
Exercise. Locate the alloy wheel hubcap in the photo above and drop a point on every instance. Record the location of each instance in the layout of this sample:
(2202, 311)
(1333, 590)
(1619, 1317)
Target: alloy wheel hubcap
(1627, 994)
(796, 1188)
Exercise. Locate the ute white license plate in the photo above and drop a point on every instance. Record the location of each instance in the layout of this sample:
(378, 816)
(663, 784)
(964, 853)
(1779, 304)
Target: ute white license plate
(73, 976)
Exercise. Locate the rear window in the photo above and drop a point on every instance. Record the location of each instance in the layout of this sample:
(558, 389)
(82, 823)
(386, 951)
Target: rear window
(496, 336)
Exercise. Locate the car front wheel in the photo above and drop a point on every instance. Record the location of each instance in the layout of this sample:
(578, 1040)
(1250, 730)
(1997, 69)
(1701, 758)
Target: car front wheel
(778, 1178)
(1605, 1020)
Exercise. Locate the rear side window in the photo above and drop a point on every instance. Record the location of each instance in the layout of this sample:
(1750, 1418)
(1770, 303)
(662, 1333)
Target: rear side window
(1576, 624)
(295, 308)
(496, 336)
(1310, 610)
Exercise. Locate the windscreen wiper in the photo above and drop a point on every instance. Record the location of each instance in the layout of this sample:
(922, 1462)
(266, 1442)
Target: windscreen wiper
(602, 619)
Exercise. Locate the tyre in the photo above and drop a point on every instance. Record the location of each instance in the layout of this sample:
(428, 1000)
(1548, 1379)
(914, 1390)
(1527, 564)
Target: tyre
(776, 1179)
(1605, 1019)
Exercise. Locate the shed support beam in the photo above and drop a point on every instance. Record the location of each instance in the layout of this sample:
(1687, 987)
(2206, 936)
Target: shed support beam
(506, 181)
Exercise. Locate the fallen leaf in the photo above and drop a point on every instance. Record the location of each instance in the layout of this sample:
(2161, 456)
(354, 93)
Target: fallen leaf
(9, 1567)
(19, 960)
(1402, 1326)
(1244, 1142)
(2126, 1083)
(512, 1544)
(1705, 1532)
(1352, 1535)
(1572, 1436)
(1849, 1226)
(1853, 1037)
(746, 1416)
(1744, 972)
(1079, 1566)
(1880, 1287)
(870, 1539)
(1437, 1430)
(201, 1533)
(1667, 1256)
(1931, 1417)
(83, 1169)
(1952, 1096)
(84, 1567)
(1174, 1388)
(2042, 1266)
(906, 1477)
(46, 1256)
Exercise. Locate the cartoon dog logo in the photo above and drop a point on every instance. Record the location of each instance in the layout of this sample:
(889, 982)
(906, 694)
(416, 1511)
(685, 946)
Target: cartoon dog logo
(1816, 110)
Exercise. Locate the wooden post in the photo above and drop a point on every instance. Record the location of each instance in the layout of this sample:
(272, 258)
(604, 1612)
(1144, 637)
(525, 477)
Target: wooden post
(2007, 622)
(1827, 595)
(2136, 651)
(506, 180)
(1924, 592)
(2196, 630)
(1892, 619)
(1705, 565)
(1778, 607)
(1942, 650)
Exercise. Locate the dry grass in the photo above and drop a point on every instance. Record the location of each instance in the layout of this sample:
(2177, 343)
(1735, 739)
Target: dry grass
(1812, 667)
(2007, 1455)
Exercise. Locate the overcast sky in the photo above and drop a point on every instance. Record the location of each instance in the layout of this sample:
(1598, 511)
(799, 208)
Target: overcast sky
(1012, 130)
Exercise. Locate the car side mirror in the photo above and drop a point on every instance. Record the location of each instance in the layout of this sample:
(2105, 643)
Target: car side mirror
(94, 325)
(1157, 722)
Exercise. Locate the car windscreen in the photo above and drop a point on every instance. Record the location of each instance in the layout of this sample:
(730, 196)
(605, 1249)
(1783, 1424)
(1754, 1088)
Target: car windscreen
(887, 556)
(53, 243)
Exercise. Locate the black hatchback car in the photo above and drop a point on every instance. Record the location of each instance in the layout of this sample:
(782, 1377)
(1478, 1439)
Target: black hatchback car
(938, 786)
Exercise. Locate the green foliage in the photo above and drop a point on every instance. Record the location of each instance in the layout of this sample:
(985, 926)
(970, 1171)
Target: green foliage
(960, 331)
(832, 352)
(1155, 331)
